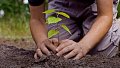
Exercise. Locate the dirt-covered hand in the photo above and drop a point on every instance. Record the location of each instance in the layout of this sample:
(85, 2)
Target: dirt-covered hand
(45, 47)
(70, 49)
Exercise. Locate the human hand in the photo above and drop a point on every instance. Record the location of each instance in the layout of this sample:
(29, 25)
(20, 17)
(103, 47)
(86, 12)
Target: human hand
(71, 49)
(45, 47)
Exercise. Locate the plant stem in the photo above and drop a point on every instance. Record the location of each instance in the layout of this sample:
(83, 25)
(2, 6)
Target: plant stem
(58, 30)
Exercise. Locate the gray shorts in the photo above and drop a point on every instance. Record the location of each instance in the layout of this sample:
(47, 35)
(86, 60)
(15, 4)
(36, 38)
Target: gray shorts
(81, 20)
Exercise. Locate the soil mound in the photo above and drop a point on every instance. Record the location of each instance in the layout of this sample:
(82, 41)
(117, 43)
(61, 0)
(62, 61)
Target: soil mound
(12, 57)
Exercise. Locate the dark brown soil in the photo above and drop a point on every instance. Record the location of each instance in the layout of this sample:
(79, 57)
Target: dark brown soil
(14, 57)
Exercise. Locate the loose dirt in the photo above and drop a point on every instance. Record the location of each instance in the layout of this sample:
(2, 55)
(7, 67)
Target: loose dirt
(16, 57)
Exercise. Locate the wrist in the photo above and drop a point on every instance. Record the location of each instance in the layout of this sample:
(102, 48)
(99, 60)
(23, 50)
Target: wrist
(85, 47)
(40, 41)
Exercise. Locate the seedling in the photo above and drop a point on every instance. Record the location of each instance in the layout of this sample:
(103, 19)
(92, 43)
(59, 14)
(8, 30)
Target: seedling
(55, 20)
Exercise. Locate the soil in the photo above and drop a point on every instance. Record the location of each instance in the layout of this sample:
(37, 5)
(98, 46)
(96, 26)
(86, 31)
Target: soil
(12, 55)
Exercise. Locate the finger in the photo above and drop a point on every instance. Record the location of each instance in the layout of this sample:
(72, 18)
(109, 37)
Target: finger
(79, 56)
(51, 47)
(63, 45)
(39, 53)
(65, 40)
(71, 54)
(35, 56)
(55, 41)
(45, 50)
(49, 44)
(65, 50)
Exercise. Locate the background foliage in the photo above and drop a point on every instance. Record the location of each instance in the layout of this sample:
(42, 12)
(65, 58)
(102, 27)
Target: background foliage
(13, 7)
(119, 10)
(15, 23)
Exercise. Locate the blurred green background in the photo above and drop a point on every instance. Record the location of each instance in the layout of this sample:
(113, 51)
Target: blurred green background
(118, 10)
(14, 23)
(14, 19)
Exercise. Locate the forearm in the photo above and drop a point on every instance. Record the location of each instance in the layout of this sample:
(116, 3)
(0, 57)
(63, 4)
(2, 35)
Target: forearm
(98, 30)
(101, 25)
(38, 31)
(37, 23)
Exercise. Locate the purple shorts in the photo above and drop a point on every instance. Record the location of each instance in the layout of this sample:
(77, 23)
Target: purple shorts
(82, 17)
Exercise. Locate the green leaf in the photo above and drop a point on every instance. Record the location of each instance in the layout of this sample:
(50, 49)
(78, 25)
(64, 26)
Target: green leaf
(63, 14)
(65, 28)
(49, 11)
(52, 33)
(53, 20)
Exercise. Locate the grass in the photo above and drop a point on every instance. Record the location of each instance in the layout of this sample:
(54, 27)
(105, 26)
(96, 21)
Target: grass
(14, 27)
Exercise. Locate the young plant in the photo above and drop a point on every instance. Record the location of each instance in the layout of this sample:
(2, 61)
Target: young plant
(55, 20)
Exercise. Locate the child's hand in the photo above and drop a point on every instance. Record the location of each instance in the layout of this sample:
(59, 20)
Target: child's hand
(71, 49)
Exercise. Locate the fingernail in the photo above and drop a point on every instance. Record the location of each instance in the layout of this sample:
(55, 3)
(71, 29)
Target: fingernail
(57, 54)
(56, 49)
(65, 57)
(49, 54)
(36, 60)
(74, 59)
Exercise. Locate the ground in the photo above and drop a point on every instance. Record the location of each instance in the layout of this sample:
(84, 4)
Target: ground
(19, 54)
